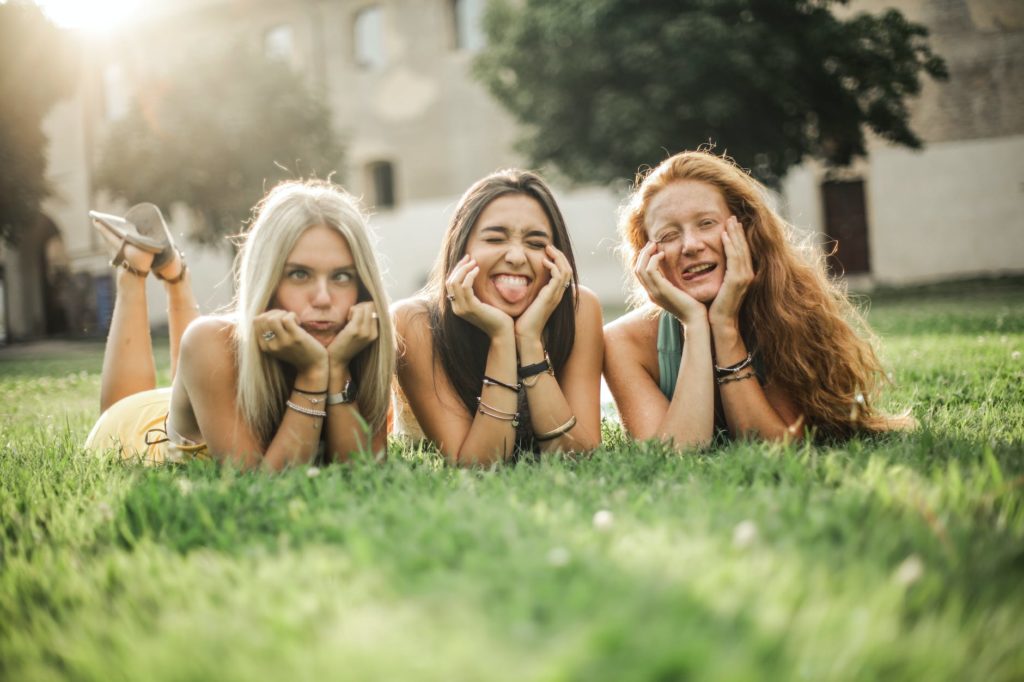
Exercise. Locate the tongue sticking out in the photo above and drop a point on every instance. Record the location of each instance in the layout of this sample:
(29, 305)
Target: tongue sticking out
(512, 289)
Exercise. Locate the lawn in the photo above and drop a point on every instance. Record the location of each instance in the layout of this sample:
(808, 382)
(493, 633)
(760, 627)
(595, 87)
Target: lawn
(892, 558)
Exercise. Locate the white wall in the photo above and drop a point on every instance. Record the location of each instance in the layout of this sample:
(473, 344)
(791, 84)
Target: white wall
(954, 209)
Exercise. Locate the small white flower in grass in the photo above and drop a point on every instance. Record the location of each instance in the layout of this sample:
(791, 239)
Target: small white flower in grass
(910, 571)
(106, 513)
(603, 520)
(184, 486)
(744, 534)
(558, 556)
(1015, 355)
(313, 472)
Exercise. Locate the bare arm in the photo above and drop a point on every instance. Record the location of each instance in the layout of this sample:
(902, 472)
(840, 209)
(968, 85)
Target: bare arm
(576, 394)
(462, 437)
(209, 375)
(687, 420)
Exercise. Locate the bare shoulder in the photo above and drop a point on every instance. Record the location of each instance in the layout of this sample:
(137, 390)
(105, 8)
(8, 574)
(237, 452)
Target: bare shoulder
(635, 329)
(411, 315)
(589, 308)
(208, 342)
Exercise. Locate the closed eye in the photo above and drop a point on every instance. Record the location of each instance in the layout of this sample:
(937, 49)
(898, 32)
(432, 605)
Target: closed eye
(665, 238)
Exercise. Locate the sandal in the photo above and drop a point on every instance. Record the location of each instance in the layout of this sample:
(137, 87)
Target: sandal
(150, 223)
(120, 233)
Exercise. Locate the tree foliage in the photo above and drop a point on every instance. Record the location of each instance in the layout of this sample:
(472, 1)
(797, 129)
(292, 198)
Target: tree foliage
(36, 71)
(215, 132)
(606, 86)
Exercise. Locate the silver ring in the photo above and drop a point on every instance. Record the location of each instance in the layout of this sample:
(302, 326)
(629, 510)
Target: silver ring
(269, 336)
(568, 284)
(373, 316)
(450, 297)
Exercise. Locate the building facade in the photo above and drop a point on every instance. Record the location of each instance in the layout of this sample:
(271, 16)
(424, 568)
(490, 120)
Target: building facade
(419, 130)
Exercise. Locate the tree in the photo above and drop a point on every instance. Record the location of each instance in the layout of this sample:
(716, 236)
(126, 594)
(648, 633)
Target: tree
(604, 87)
(35, 73)
(215, 132)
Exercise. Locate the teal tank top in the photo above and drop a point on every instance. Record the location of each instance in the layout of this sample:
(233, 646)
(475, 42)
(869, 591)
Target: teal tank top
(670, 354)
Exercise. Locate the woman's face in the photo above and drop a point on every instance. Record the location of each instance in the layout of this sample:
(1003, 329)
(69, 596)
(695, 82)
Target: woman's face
(507, 242)
(319, 283)
(687, 219)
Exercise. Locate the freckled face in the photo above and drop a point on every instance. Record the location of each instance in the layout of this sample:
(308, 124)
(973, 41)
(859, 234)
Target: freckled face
(687, 219)
(507, 242)
(319, 283)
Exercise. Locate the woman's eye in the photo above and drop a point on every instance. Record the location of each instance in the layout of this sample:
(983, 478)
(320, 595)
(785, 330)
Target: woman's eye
(298, 274)
(344, 277)
(536, 245)
(494, 240)
(708, 223)
(665, 239)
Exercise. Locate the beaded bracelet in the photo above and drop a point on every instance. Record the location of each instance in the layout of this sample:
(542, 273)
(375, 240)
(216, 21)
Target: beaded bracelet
(305, 410)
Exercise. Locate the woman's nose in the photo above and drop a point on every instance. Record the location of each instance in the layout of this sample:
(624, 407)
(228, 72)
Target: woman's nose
(691, 242)
(322, 293)
(515, 254)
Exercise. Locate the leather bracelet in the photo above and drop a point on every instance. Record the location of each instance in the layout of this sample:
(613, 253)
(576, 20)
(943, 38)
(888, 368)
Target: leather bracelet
(305, 392)
(732, 369)
(488, 381)
(537, 368)
(734, 377)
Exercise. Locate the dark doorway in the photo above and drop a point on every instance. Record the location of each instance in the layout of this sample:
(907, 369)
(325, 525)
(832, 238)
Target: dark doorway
(846, 226)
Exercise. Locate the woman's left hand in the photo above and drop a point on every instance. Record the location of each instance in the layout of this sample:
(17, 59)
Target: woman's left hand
(739, 273)
(359, 332)
(531, 323)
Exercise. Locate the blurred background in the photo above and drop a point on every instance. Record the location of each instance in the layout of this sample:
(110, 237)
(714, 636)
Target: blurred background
(893, 138)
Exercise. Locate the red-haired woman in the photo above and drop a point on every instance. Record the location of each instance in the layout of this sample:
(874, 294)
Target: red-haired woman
(746, 332)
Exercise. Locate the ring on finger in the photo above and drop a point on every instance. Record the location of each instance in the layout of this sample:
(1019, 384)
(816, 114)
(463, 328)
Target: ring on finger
(269, 336)
(450, 297)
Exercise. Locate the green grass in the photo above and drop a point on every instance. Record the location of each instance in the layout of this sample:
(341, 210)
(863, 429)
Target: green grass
(889, 558)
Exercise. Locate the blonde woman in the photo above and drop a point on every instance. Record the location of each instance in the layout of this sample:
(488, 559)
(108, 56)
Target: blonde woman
(738, 327)
(301, 367)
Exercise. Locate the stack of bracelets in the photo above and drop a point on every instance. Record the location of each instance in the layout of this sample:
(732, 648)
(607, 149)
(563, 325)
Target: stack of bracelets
(525, 374)
(347, 395)
(724, 375)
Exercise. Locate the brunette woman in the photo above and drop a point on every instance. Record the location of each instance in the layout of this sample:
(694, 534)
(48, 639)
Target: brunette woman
(501, 352)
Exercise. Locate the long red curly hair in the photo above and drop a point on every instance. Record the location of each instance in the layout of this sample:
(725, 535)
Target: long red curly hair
(809, 339)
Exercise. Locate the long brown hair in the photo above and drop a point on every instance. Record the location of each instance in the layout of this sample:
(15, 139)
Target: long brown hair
(460, 347)
(797, 321)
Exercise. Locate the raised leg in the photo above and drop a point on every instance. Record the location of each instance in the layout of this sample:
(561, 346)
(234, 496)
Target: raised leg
(128, 365)
(181, 303)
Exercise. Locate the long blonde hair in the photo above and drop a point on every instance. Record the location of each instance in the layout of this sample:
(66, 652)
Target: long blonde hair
(282, 216)
(797, 321)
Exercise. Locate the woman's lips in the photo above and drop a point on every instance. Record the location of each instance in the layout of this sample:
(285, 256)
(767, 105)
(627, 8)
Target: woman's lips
(320, 327)
(512, 288)
(702, 269)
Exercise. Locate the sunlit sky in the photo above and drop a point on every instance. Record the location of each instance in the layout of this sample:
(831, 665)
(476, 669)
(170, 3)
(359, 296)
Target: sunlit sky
(90, 15)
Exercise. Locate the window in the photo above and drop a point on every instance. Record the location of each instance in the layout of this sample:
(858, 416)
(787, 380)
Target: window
(368, 38)
(380, 176)
(115, 92)
(278, 43)
(846, 226)
(467, 19)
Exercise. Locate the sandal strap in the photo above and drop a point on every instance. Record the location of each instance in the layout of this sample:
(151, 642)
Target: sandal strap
(119, 261)
(181, 273)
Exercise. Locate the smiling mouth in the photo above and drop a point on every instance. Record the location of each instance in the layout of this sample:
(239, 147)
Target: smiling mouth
(512, 288)
(695, 271)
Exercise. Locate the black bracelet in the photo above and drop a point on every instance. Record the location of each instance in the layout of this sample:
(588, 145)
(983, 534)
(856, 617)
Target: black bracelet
(537, 368)
(488, 381)
(299, 390)
(732, 369)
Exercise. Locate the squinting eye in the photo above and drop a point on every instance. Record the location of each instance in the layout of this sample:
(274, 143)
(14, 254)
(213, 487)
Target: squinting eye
(536, 245)
(669, 238)
(708, 223)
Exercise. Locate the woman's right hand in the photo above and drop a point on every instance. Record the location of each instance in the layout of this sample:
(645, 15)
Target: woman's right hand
(662, 292)
(279, 335)
(466, 305)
